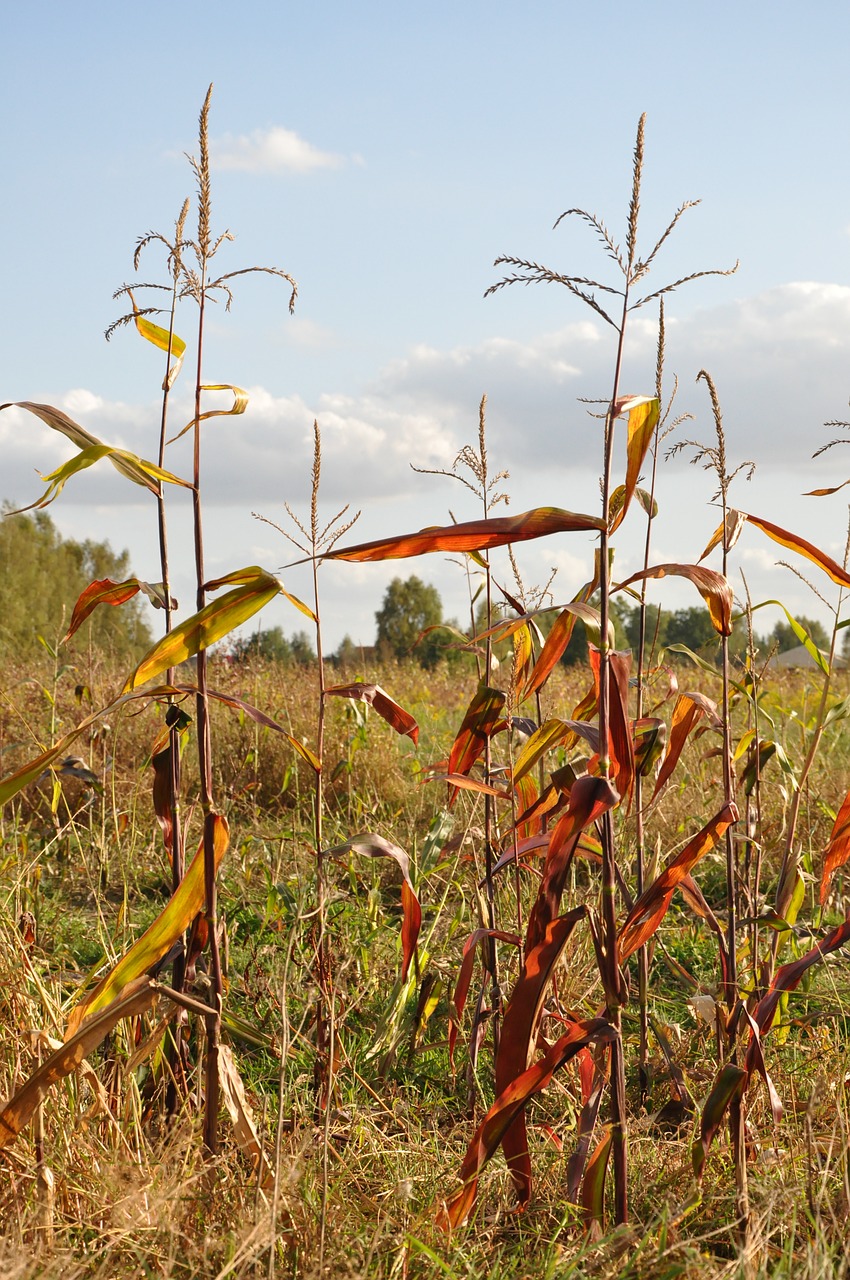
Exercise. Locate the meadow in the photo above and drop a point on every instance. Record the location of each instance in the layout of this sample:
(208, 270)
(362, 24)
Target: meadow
(493, 967)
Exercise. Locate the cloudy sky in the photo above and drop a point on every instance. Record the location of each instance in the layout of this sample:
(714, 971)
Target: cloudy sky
(385, 155)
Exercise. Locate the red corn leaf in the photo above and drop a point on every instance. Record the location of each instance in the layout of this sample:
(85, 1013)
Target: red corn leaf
(795, 543)
(694, 899)
(643, 419)
(465, 977)
(105, 591)
(838, 849)
(505, 1110)
(462, 783)
(788, 977)
(620, 746)
(374, 846)
(387, 708)
(688, 711)
(525, 795)
(474, 535)
(593, 1187)
(590, 797)
(730, 1082)
(713, 588)
(651, 907)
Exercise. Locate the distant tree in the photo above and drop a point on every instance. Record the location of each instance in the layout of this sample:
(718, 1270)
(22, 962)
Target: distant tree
(409, 606)
(271, 645)
(42, 575)
(656, 627)
(691, 627)
(784, 638)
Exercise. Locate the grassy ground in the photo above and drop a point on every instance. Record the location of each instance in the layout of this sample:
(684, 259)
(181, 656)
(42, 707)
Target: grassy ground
(104, 1184)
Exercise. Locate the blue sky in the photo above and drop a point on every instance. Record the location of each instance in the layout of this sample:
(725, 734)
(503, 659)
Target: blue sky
(385, 155)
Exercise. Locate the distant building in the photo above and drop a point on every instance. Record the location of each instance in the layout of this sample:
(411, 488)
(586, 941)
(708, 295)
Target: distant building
(800, 659)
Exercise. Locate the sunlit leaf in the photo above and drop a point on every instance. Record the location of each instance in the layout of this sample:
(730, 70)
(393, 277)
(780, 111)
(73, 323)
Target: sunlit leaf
(593, 1187)
(387, 708)
(559, 637)
(838, 849)
(793, 542)
(173, 920)
(203, 629)
(688, 711)
(650, 738)
(164, 339)
(731, 528)
(482, 716)
(643, 419)
(474, 535)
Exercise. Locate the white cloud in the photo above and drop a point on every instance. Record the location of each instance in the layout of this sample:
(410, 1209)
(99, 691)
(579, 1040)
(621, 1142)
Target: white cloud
(273, 150)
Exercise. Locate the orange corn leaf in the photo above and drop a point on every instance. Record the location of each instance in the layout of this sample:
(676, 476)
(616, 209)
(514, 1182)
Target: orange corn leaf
(838, 849)
(620, 747)
(105, 591)
(374, 846)
(795, 543)
(505, 1110)
(173, 920)
(713, 588)
(688, 711)
(463, 783)
(643, 419)
(651, 907)
(464, 978)
(730, 1082)
(387, 708)
(474, 535)
(204, 628)
(559, 637)
(20, 1109)
(240, 404)
(650, 738)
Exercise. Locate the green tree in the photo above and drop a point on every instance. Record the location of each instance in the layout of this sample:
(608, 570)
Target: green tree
(42, 575)
(691, 627)
(271, 645)
(409, 606)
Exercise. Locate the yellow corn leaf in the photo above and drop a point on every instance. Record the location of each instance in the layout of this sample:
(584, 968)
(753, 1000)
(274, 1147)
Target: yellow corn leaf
(643, 419)
(164, 339)
(240, 404)
(213, 622)
(173, 920)
(20, 1109)
(140, 471)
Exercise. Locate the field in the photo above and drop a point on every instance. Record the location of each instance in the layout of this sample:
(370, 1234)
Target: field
(107, 1183)
(476, 964)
